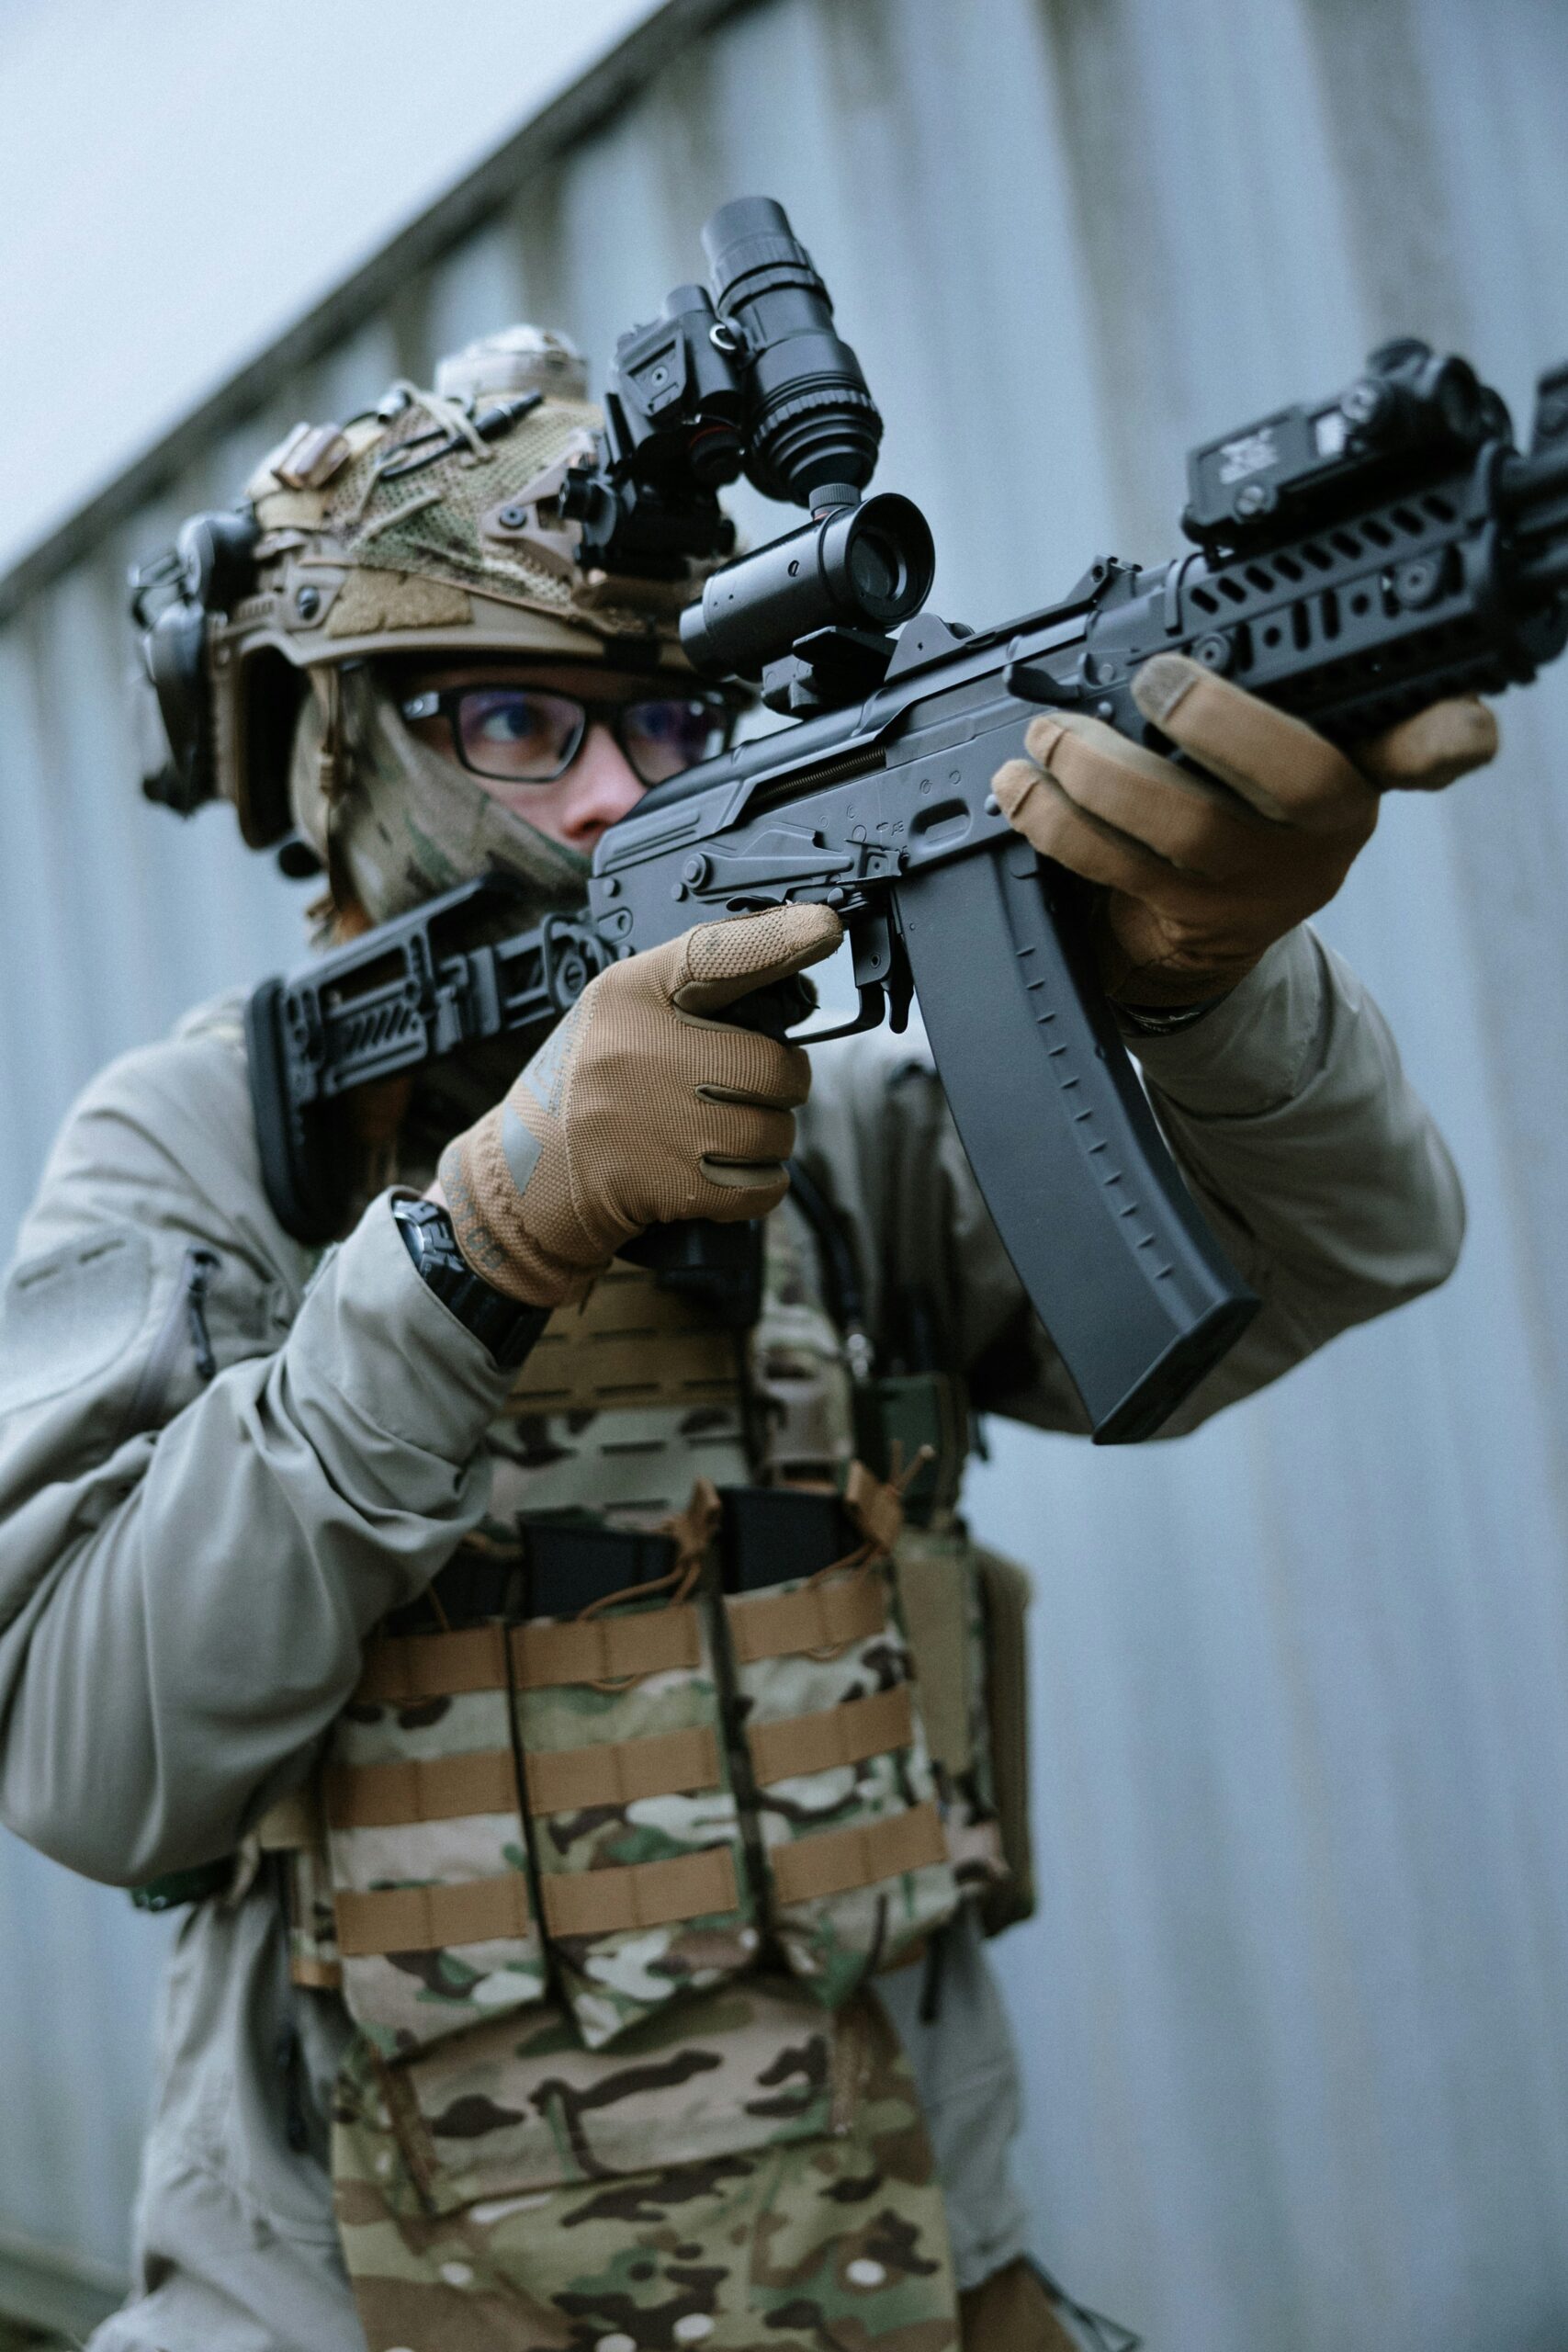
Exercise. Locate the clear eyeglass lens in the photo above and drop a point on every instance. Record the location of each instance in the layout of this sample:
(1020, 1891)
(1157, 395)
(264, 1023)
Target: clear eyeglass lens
(517, 736)
(664, 737)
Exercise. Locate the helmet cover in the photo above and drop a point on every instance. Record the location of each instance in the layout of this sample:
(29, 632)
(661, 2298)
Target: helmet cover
(427, 527)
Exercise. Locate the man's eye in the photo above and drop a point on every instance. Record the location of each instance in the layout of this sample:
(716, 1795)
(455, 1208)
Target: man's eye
(658, 720)
(517, 719)
(520, 737)
(687, 726)
(682, 721)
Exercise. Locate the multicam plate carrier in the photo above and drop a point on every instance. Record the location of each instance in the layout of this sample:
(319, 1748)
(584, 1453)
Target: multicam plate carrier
(679, 1782)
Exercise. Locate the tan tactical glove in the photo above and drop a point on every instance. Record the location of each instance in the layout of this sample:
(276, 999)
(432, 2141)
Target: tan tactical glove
(1202, 876)
(639, 1110)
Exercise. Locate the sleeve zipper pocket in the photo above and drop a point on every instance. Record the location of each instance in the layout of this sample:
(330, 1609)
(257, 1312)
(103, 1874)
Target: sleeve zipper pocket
(183, 1325)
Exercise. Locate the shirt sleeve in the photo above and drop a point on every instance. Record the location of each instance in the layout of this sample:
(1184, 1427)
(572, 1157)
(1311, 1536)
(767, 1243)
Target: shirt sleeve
(210, 1490)
(1314, 1162)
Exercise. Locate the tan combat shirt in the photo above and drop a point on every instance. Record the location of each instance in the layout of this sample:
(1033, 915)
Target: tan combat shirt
(189, 1568)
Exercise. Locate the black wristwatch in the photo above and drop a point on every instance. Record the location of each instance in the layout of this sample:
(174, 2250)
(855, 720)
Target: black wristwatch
(1165, 1021)
(506, 1326)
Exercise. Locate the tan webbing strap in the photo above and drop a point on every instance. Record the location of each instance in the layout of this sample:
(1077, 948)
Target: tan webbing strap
(319, 1975)
(605, 1649)
(568, 1780)
(426, 1918)
(837, 1860)
(841, 1734)
(639, 1894)
(818, 1617)
(933, 1588)
(420, 1788)
(401, 1670)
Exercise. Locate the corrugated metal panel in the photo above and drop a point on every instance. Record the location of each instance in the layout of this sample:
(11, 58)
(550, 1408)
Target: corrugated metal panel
(1293, 2015)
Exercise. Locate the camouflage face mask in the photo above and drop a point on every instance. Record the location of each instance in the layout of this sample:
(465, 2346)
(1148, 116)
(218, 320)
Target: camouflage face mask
(397, 823)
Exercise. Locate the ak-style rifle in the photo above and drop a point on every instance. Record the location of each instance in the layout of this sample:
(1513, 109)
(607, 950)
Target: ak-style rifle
(1354, 559)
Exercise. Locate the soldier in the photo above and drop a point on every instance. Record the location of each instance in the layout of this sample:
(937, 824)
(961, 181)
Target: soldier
(594, 1874)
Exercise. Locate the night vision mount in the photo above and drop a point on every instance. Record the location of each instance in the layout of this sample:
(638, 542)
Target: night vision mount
(753, 378)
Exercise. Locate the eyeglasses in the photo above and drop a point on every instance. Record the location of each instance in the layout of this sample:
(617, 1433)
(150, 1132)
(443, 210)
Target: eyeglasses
(521, 735)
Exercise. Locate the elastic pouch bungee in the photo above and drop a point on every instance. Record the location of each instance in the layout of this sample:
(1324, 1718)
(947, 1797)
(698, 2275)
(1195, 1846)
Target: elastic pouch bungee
(436, 1922)
(854, 1850)
(642, 1880)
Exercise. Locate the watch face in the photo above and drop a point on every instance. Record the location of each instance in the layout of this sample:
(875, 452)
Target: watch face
(428, 1232)
(438, 1236)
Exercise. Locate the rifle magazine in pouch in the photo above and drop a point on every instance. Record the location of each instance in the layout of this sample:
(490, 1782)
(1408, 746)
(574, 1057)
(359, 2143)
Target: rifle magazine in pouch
(436, 1925)
(854, 1844)
(642, 1881)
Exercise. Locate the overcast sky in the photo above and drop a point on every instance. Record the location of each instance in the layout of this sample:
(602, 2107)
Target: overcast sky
(180, 179)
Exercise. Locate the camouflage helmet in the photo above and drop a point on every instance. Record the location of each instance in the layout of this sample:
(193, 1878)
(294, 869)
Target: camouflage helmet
(425, 526)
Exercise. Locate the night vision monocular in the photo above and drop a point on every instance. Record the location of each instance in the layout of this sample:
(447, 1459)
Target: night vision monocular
(752, 378)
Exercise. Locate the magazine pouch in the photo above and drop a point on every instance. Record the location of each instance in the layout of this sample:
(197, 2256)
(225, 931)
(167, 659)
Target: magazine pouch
(436, 1926)
(642, 1881)
(854, 1849)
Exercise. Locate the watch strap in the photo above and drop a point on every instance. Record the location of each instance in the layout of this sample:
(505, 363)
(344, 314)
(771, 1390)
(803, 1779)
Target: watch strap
(507, 1326)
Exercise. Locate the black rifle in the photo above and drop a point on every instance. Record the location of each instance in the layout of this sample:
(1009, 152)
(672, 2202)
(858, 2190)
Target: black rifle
(1357, 558)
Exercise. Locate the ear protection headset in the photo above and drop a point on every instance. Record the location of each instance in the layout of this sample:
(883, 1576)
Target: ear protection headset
(207, 570)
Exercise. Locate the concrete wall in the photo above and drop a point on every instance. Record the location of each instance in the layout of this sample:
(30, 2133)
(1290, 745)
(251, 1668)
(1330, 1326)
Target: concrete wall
(1293, 2013)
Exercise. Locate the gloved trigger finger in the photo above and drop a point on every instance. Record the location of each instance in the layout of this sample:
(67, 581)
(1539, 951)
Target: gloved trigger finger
(724, 961)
